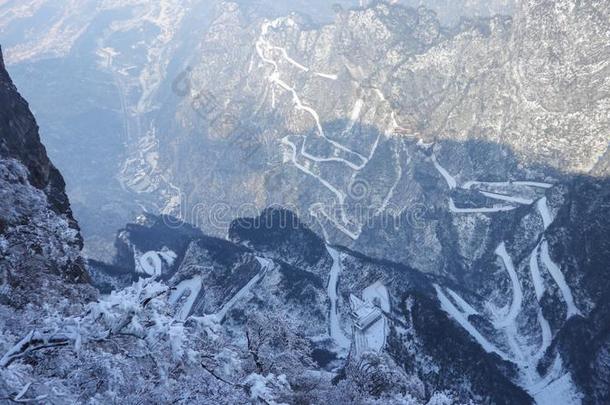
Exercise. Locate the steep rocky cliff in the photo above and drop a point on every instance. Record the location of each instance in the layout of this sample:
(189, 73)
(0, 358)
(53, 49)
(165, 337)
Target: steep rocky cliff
(19, 139)
(36, 223)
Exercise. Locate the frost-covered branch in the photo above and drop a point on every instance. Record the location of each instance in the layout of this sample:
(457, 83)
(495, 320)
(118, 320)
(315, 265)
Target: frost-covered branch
(32, 342)
(19, 398)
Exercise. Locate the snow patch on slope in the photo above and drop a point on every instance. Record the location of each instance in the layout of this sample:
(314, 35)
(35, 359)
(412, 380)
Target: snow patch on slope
(186, 291)
(461, 318)
(335, 325)
(496, 208)
(515, 306)
(451, 182)
(535, 271)
(466, 308)
(559, 278)
(266, 265)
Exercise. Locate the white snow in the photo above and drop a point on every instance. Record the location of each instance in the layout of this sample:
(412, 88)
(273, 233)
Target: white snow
(266, 264)
(535, 184)
(460, 318)
(499, 208)
(532, 184)
(377, 294)
(192, 287)
(169, 256)
(544, 211)
(518, 200)
(468, 185)
(150, 263)
(375, 336)
(546, 333)
(466, 308)
(272, 55)
(289, 59)
(327, 76)
(274, 77)
(335, 327)
(535, 271)
(556, 387)
(349, 233)
(560, 391)
(356, 111)
(340, 195)
(379, 94)
(448, 178)
(559, 279)
(517, 300)
(370, 330)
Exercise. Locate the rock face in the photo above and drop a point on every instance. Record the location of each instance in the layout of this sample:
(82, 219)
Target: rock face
(42, 273)
(36, 223)
(20, 140)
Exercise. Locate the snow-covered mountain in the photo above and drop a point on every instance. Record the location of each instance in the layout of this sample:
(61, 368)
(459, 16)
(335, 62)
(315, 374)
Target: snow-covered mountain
(524, 315)
(466, 160)
(107, 67)
(355, 312)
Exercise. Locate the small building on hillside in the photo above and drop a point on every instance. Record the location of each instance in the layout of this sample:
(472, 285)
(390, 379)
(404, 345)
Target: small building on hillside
(369, 322)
